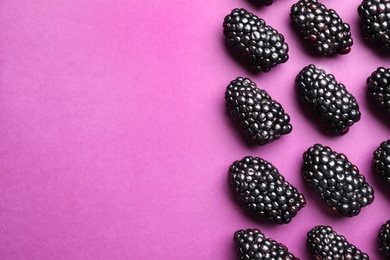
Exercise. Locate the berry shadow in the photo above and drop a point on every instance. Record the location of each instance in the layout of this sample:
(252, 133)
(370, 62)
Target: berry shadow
(373, 46)
(377, 111)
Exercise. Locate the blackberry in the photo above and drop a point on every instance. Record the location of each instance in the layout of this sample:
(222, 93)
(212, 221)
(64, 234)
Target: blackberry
(378, 86)
(384, 238)
(259, 44)
(262, 119)
(336, 180)
(330, 101)
(264, 2)
(375, 21)
(321, 26)
(264, 191)
(324, 243)
(253, 244)
(381, 161)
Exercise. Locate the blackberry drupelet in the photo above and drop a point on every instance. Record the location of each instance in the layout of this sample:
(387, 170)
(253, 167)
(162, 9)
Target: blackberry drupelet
(321, 26)
(261, 118)
(381, 161)
(375, 21)
(384, 238)
(336, 180)
(378, 87)
(324, 243)
(330, 101)
(264, 191)
(260, 44)
(253, 244)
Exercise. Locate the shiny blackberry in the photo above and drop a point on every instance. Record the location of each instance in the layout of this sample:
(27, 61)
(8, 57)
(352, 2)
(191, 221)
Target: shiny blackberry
(262, 190)
(324, 243)
(330, 101)
(322, 27)
(261, 118)
(375, 21)
(381, 161)
(384, 238)
(336, 180)
(253, 244)
(378, 87)
(259, 44)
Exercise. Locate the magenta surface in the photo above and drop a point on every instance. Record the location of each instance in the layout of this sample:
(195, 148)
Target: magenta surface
(115, 141)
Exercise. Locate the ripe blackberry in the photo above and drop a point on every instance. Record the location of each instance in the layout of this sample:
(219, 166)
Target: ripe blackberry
(384, 238)
(336, 180)
(330, 101)
(264, 191)
(381, 160)
(260, 44)
(375, 21)
(378, 85)
(324, 243)
(264, 2)
(261, 118)
(322, 27)
(253, 244)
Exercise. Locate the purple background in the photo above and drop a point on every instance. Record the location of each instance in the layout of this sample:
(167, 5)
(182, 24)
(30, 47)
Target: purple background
(115, 141)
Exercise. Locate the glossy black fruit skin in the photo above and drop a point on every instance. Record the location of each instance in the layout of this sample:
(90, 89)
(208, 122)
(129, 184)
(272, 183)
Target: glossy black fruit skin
(262, 190)
(253, 244)
(330, 101)
(324, 243)
(264, 2)
(259, 44)
(375, 21)
(381, 161)
(378, 87)
(336, 180)
(384, 238)
(322, 27)
(262, 119)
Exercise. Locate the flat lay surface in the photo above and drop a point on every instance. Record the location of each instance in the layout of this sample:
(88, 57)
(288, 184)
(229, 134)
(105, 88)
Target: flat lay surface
(116, 141)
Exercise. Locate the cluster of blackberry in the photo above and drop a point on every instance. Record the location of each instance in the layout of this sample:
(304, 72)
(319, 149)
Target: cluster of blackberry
(261, 118)
(260, 44)
(264, 191)
(257, 184)
(321, 26)
(336, 180)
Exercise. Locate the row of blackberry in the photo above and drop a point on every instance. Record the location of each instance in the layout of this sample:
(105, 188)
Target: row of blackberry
(263, 119)
(263, 47)
(323, 243)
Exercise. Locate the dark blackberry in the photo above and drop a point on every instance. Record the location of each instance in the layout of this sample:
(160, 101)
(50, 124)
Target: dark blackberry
(378, 85)
(384, 239)
(375, 21)
(330, 101)
(253, 244)
(324, 243)
(264, 2)
(381, 160)
(261, 45)
(322, 27)
(336, 180)
(261, 118)
(264, 191)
